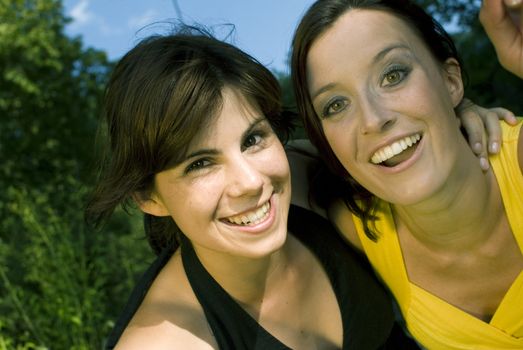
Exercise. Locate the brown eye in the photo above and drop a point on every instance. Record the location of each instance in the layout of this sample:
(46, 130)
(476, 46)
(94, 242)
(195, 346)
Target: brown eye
(251, 140)
(393, 77)
(197, 165)
(336, 106)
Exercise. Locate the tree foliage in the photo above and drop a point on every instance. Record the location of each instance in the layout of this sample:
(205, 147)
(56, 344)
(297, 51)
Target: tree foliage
(60, 284)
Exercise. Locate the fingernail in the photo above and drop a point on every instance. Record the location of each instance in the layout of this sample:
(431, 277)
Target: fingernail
(494, 147)
(483, 163)
(477, 147)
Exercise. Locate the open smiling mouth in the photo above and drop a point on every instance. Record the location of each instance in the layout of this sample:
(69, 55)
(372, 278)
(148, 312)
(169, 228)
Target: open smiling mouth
(396, 152)
(252, 217)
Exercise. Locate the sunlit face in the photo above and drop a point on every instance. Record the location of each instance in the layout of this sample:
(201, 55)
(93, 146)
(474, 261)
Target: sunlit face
(232, 193)
(386, 105)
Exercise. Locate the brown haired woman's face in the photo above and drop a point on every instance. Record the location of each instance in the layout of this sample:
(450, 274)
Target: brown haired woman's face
(386, 105)
(231, 194)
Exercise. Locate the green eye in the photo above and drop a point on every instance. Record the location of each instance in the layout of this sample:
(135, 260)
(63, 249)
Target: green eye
(393, 77)
(336, 106)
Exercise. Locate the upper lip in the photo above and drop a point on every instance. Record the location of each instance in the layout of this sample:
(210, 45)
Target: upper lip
(389, 141)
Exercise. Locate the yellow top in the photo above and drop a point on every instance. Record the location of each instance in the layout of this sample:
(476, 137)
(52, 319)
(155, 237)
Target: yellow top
(432, 321)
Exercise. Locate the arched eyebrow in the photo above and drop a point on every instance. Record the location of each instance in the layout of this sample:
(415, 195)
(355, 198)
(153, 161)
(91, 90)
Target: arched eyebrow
(377, 58)
(383, 53)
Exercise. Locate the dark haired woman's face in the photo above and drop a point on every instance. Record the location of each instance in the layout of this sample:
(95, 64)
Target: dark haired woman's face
(231, 194)
(386, 105)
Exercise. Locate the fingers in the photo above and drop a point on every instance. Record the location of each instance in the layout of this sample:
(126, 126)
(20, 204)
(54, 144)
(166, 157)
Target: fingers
(513, 3)
(474, 127)
(491, 14)
(495, 19)
(505, 114)
(483, 129)
(515, 12)
(493, 128)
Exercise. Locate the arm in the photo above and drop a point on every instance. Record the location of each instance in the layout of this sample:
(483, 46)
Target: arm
(503, 23)
(341, 218)
(303, 160)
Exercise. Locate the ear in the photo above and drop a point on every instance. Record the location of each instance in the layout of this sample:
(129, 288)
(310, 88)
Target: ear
(453, 80)
(151, 204)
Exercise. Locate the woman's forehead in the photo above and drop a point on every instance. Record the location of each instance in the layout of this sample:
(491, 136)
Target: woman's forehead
(358, 39)
(236, 112)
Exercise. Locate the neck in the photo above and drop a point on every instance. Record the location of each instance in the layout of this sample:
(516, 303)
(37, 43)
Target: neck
(248, 280)
(463, 213)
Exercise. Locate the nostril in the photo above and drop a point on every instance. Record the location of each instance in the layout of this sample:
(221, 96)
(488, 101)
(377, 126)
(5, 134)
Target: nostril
(388, 124)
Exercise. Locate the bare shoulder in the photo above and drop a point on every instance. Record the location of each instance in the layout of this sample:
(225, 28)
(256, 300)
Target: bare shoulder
(170, 316)
(161, 336)
(341, 217)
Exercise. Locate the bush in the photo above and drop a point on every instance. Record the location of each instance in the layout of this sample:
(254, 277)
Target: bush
(61, 285)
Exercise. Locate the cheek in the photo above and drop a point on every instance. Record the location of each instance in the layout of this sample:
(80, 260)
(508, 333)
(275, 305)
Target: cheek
(342, 141)
(196, 200)
(276, 163)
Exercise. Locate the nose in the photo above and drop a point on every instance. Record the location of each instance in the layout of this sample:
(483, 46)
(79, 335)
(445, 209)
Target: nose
(245, 179)
(376, 117)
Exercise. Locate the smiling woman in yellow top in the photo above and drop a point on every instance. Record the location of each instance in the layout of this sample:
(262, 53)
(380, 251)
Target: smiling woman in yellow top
(378, 83)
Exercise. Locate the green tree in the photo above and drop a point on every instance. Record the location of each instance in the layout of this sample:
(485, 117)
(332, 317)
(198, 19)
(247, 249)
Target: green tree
(61, 285)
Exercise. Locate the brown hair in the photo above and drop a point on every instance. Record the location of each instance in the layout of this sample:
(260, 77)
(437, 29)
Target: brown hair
(160, 95)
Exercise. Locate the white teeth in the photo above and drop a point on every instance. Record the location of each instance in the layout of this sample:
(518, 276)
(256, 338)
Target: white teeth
(394, 149)
(251, 218)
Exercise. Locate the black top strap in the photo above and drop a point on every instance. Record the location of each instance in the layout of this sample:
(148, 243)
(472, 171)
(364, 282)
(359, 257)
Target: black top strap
(231, 325)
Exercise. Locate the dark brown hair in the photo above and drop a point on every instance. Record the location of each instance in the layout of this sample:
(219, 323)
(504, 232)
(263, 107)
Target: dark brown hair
(319, 18)
(161, 94)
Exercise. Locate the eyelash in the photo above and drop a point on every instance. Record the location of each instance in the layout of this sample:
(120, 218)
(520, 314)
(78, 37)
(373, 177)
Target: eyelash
(403, 72)
(327, 109)
(197, 165)
(259, 136)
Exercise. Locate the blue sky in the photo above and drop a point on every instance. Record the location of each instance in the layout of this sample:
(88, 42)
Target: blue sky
(263, 27)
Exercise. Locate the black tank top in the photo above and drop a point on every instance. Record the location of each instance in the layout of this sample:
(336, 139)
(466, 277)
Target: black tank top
(366, 307)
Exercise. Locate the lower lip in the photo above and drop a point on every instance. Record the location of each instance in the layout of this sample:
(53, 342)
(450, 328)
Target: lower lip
(261, 226)
(407, 163)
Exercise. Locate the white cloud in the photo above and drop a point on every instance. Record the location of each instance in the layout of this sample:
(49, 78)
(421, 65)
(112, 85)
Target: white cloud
(80, 14)
(83, 18)
(108, 30)
(144, 19)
